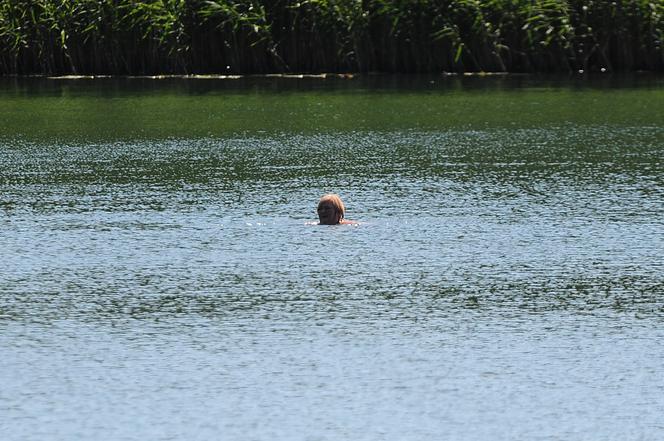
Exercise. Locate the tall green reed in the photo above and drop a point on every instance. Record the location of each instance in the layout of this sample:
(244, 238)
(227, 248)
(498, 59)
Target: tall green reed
(259, 36)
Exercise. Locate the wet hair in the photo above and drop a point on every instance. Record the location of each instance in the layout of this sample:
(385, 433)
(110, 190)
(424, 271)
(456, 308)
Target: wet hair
(335, 200)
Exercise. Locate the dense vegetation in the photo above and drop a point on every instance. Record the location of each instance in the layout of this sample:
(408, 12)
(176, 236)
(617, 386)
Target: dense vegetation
(261, 36)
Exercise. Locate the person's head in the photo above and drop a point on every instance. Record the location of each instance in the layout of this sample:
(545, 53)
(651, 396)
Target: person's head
(330, 209)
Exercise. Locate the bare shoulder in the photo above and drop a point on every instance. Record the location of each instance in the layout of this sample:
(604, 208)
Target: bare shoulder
(341, 222)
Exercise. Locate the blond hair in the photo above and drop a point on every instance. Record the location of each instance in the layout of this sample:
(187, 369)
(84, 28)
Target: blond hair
(335, 200)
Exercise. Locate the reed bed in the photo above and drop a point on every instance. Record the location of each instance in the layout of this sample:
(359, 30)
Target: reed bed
(147, 37)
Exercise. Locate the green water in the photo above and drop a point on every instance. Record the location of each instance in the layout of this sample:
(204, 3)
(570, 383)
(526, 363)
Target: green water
(105, 109)
(158, 278)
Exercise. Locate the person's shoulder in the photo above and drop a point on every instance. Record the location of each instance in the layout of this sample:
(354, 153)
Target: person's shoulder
(341, 222)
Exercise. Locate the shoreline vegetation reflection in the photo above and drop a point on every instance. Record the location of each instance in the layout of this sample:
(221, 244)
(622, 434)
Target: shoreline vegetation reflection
(71, 110)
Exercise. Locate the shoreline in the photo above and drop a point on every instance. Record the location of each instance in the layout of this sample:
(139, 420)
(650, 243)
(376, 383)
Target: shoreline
(324, 76)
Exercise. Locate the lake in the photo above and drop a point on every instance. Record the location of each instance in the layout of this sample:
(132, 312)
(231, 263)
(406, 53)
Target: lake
(158, 279)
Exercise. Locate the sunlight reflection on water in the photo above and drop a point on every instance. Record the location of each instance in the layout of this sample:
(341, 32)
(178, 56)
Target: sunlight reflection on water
(501, 285)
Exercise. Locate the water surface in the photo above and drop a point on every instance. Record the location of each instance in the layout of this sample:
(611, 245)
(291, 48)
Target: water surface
(158, 280)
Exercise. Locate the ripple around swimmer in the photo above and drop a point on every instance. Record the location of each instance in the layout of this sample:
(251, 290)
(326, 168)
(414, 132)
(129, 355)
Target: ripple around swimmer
(535, 219)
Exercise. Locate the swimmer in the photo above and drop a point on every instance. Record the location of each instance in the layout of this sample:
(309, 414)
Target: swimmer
(331, 211)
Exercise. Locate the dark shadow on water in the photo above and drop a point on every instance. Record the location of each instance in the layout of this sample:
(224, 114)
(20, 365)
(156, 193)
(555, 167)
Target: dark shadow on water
(441, 83)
